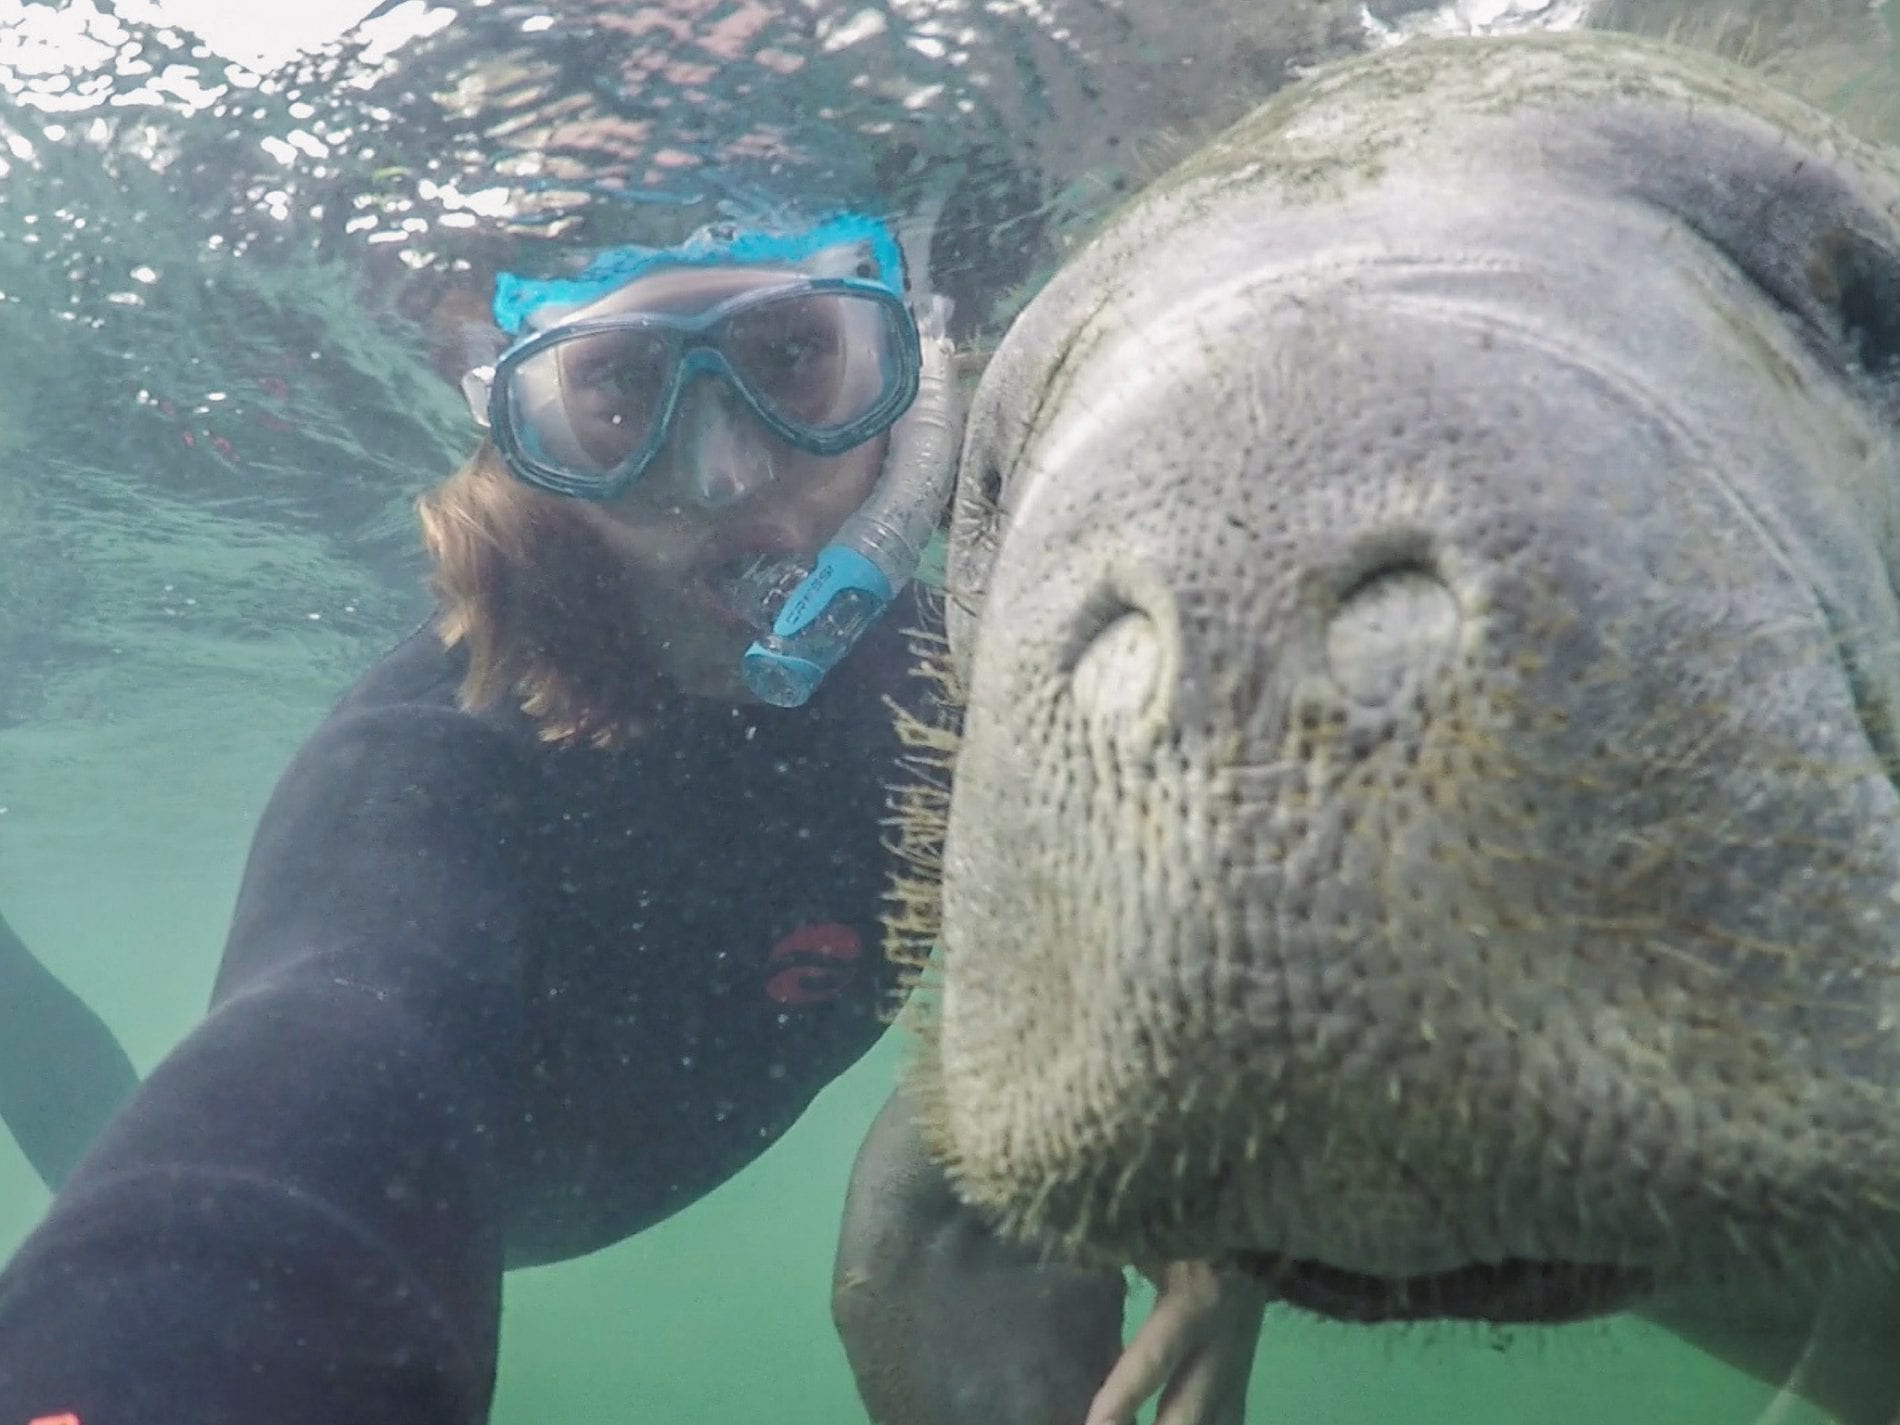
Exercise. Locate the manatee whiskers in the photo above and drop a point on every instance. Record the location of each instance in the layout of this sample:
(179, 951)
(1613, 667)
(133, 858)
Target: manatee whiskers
(1542, 1292)
(919, 802)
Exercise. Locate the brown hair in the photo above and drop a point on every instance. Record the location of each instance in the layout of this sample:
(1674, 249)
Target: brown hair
(530, 587)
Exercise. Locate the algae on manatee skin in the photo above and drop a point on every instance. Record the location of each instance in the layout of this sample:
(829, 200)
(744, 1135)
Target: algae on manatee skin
(1319, 140)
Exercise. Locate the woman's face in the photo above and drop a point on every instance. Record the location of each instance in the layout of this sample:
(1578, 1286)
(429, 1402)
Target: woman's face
(722, 492)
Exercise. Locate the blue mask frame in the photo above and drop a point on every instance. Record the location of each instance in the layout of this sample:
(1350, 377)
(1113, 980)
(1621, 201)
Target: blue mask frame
(518, 298)
(691, 353)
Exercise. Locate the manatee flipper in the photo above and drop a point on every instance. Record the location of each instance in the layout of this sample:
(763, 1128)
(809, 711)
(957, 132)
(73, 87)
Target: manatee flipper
(945, 1323)
(1834, 1351)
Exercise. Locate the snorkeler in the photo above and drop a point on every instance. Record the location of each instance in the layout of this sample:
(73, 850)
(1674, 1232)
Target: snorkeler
(498, 991)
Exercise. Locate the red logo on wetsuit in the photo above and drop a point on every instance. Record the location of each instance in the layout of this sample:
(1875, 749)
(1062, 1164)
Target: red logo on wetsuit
(814, 962)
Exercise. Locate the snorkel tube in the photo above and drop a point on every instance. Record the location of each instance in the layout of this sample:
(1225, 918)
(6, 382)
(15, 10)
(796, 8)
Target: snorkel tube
(877, 549)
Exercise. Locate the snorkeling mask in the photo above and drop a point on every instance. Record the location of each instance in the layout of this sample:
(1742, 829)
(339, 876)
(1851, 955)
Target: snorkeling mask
(826, 360)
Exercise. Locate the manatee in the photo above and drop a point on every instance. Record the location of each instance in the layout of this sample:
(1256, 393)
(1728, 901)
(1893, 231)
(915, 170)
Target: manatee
(1425, 828)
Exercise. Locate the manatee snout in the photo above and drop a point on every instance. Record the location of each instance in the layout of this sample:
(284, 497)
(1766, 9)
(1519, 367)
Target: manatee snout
(1424, 826)
(1386, 620)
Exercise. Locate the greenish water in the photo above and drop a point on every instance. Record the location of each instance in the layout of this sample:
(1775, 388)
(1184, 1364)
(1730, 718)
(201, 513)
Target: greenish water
(138, 821)
(719, 1314)
(175, 616)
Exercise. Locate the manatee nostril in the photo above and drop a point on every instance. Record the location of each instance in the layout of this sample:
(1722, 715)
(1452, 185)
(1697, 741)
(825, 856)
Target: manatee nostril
(1396, 622)
(1117, 661)
(1119, 672)
(990, 482)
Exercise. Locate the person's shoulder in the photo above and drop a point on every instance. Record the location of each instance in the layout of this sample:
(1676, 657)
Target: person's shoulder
(403, 719)
(420, 669)
(423, 674)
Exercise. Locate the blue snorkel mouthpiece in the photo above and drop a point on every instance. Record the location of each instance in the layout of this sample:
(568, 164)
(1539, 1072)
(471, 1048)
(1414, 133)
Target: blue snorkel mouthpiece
(827, 613)
(877, 550)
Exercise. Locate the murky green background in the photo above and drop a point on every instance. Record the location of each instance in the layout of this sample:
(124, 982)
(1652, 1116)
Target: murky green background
(720, 1314)
(172, 624)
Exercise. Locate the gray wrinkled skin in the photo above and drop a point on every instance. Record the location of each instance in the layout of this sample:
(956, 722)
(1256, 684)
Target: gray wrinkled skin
(1424, 589)
(946, 1323)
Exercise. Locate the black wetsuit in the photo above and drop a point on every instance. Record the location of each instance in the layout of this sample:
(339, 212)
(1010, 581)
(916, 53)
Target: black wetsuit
(484, 1002)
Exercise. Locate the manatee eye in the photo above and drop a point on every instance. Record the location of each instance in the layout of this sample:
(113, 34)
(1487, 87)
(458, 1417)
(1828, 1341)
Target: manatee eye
(984, 508)
(1860, 281)
(989, 485)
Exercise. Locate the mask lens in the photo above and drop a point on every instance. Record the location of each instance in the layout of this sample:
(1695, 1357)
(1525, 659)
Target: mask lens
(588, 403)
(817, 361)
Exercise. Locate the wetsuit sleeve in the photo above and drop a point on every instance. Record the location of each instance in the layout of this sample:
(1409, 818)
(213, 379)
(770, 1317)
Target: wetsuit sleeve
(298, 1217)
(62, 1073)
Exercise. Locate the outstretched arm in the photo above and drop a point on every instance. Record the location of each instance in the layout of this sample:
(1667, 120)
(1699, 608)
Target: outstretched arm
(62, 1073)
(298, 1217)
